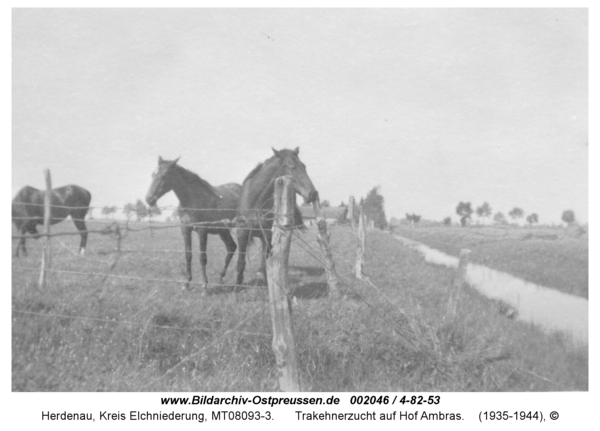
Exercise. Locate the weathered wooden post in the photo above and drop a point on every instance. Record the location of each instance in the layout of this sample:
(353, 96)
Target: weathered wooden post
(459, 279)
(461, 270)
(350, 214)
(323, 240)
(361, 245)
(277, 276)
(46, 240)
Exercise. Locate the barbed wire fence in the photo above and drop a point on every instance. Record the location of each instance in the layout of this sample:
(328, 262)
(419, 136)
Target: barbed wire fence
(119, 230)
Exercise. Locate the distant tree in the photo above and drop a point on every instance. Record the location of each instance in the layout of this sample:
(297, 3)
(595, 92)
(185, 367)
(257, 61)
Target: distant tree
(343, 205)
(568, 216)
(141, 210)
(325, 203)
(415, 218)
(516, 213)
(175, 214)
(532, 218)
(154, 211)
(499, 218)
(129, 210)
(108, 210)
(447, 221)
(484, 211)
(373, 208)
(464, 210)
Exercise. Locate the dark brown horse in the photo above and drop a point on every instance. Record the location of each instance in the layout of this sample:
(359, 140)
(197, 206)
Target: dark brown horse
(199, 202)
(28, 211)
(255, 210)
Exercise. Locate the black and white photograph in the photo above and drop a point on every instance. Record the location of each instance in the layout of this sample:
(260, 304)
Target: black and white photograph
(388, 201)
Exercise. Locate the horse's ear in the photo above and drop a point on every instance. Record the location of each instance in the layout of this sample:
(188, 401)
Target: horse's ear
(297, 150)
(277, 153)
(176, 160)
(160, 160)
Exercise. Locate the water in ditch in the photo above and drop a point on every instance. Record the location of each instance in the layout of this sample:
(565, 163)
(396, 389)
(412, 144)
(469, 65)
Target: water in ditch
(549, 308)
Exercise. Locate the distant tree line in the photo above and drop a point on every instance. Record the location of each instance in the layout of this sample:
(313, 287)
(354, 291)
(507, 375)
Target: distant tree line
(140, 211)
(465, 211)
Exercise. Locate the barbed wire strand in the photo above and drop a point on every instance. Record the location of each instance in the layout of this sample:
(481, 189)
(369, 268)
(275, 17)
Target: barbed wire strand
(113, 226)
(125, 322)
(131, 277)
(161, 208)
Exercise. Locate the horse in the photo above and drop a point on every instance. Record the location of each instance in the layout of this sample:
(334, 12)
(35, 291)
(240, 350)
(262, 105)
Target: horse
(202, 208)
(255, 210)
(28, 211)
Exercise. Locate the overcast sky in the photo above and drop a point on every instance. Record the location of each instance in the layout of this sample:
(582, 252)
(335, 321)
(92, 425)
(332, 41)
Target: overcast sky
(436, 106)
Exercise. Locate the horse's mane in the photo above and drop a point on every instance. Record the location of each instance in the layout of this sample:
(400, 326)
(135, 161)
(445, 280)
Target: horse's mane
(190, 176)
(259, 167)
(254, 171)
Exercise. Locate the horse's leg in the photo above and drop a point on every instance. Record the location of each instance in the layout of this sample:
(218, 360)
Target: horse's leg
(243, 235)
(203, 235)
(80, 225)
(31, 228)
(187, 247)
(21, 243)
(230, 246)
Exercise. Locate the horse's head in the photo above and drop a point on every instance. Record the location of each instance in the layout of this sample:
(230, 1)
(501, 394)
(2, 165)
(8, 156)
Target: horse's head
(162, 180)
(290, 164)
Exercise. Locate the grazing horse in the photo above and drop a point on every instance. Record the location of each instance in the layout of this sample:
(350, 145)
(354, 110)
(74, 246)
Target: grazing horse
(255, 209)
(199, 202)
(28, 211)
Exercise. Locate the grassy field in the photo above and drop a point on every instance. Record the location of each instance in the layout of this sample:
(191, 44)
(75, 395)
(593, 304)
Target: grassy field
(132, 328)
(551, 257)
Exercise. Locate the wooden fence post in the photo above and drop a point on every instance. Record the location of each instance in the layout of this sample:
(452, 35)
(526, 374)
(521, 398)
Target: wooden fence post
(277, 276)
(361, 245)
(350, 214)
(46, 240)
(459, 279)
(461, 270)
(323, 240)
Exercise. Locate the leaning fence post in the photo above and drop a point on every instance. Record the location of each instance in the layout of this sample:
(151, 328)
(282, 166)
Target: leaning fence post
(323, 240)
(46, 240)
(361, 245)
(277, 277)
(459, 279)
